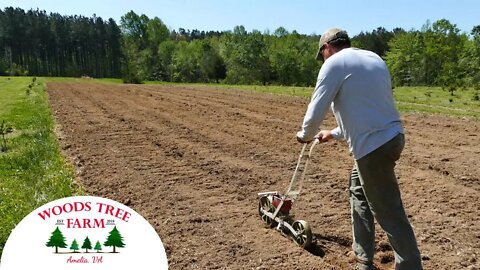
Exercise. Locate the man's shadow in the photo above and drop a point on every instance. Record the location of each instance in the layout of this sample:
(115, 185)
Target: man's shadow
(318, 249)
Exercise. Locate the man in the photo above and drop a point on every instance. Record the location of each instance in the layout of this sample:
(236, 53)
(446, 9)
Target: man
(356, 85)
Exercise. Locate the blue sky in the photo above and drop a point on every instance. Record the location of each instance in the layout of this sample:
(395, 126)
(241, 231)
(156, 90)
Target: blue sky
(304, 16)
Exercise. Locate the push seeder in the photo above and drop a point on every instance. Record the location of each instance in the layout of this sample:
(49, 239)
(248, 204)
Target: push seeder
(274, 208)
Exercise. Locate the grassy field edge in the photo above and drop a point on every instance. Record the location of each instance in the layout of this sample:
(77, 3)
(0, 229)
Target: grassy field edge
(33, 170)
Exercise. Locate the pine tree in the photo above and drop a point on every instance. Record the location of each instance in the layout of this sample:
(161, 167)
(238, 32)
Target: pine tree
(98, 246)
(114, 239)
(74, 246)
(57, 240)
(87, 244)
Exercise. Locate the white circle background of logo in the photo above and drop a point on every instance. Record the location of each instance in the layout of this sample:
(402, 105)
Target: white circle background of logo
(78, 218)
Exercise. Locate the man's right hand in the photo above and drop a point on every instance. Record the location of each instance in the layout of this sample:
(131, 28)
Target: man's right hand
(324, 135)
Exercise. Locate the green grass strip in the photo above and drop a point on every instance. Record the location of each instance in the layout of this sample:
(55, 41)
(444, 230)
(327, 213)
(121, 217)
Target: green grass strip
(434, 100)
(32, 169)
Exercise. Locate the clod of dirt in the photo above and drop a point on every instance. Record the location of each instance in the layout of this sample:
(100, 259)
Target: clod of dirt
(386, 258)
(199, 220)
(425, 257)
(384, 246)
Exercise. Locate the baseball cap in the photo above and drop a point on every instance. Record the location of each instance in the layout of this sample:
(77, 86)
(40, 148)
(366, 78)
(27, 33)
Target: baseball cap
(329, 36)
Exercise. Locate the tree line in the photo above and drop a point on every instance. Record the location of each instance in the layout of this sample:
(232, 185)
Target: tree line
(41, 44)
(141, 48)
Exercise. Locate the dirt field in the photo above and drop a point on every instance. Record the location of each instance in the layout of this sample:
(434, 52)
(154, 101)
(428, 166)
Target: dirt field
(191, 161)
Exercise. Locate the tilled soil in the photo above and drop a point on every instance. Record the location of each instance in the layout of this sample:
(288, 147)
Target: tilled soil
(191, 160)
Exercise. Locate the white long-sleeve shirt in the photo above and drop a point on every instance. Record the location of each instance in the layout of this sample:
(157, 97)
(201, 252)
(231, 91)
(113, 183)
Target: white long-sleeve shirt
(356, 85)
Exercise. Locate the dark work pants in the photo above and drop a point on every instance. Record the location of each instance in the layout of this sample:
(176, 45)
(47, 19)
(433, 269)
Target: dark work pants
(374, 193)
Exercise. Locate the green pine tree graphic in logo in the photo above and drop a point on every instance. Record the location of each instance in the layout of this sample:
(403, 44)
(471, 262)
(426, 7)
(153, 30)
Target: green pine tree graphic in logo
(114, 240)
(74, 246)
(98, 247)
(87, 244)
(57, 240)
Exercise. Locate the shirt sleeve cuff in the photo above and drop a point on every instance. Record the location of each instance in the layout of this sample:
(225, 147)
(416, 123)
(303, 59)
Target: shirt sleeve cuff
(337, 134)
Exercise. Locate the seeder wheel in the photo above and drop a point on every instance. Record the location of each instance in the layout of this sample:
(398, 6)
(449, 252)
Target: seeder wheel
(266, 206)
(304, 233)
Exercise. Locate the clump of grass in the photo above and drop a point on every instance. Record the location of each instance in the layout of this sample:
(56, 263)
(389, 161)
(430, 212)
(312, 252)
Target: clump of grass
(476, 96)
(30, 86)
(4, 130)
(29, 89)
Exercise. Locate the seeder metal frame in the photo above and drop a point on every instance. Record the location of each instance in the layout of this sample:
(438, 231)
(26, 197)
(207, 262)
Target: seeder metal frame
(274, 208)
